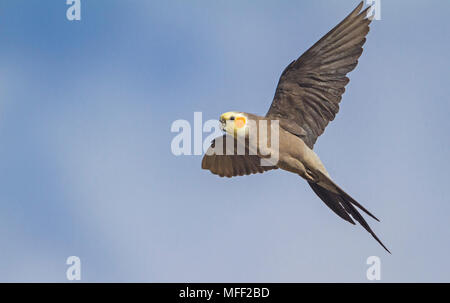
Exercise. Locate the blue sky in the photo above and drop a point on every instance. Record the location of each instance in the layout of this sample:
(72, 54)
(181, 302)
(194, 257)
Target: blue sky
(86, 167)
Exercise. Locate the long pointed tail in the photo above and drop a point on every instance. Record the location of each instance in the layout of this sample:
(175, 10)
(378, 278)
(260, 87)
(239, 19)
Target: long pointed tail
(344, 206)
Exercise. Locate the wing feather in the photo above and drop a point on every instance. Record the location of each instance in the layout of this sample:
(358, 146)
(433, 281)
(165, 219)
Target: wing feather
(310, 88)
(230, 164)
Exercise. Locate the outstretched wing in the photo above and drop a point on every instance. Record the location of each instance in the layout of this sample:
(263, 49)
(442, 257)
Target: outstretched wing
(223, 160)
(311, 87)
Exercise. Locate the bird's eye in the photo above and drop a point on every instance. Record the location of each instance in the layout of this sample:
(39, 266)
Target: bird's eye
(232, 118)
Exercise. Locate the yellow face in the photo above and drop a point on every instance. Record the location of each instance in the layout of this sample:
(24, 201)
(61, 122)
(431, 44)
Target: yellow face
(234, 123)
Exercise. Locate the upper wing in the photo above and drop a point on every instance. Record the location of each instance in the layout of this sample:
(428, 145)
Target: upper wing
(228, 163)
(311, 87)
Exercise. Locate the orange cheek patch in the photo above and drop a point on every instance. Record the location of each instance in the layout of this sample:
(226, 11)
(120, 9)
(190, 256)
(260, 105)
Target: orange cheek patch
(239, 122)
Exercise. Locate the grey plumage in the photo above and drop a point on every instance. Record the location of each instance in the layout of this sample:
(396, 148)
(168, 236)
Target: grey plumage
(306, 99)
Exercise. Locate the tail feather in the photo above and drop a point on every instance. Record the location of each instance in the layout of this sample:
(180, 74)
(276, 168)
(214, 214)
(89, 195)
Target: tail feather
(354, 202)
(343, 205)
(333, 201)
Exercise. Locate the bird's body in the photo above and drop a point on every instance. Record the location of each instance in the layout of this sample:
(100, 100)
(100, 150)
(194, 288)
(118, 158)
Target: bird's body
(297, 157)
(306, 100)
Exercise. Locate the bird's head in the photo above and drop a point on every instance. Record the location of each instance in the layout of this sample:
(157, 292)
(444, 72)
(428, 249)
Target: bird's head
(234, 123)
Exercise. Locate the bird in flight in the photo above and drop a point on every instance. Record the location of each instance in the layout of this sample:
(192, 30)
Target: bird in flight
(306, 100)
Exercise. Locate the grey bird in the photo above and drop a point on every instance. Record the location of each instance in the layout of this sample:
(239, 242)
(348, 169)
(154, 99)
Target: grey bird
(306, 100)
